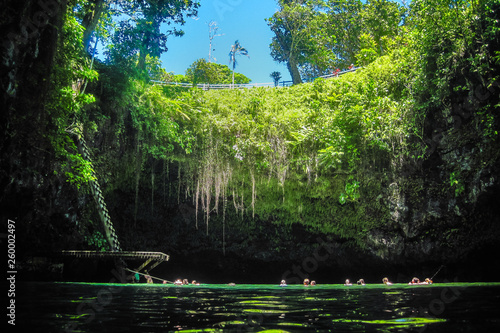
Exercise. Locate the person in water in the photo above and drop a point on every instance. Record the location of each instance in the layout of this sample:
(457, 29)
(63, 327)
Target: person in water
(283, 283)
(415, 280)
(306, 282)
(149, 280)
(428, 281)
(386, 281)
(347, 283)
(313, 283)
(178, 282)
(361, 282)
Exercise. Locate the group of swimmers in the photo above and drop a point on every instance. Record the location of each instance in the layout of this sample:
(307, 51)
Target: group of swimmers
(417, 281)
(184, 282)
(361, 282)
(149, 280)
(307, 282)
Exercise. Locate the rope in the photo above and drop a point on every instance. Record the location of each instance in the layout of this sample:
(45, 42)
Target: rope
(153, 277)
(432, 278)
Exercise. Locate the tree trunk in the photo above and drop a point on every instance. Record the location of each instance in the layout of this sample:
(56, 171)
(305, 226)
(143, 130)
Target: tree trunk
(150, 45)
(289, 56)
(293, 69)
(91, 19)
(142, 60)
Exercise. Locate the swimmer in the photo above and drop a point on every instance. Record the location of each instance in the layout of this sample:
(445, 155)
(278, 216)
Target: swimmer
(386, 281)
(232, 284)
(283, 283)
(306, 282)
(149, 280)
(164, 282)
(195, 283)
(415, 280)
(313, 283)
(178, 282)
(427, 281)
(347, 283)
(361, 282)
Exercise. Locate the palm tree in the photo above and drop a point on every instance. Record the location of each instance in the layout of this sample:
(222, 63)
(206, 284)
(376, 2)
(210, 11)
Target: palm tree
(236, 49)
(276, 76)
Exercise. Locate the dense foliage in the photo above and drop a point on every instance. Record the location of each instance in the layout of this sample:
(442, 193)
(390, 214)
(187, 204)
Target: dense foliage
(328, 154)
(202, 71)
(314, 37)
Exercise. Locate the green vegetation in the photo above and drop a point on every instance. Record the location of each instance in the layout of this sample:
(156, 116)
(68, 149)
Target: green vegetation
(202, 71)
(137, 30)
(314, 37)
(321, 154)
(315, 154)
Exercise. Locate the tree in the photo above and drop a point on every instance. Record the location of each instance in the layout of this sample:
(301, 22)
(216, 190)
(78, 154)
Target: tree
(344, 22)
(140, 33)
(92, 13)
(382, 19)
(236, 49)
(202, 71)
(276, 76)
(314, 37)
(298, 37)
(284, 46)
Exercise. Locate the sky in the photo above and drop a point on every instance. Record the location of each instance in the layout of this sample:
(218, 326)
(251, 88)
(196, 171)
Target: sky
(242, 20)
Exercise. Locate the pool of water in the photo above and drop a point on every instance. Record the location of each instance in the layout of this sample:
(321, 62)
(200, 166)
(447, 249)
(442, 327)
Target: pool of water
(83, 307)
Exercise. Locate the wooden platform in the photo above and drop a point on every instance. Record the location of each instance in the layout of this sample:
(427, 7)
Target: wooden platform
(131, 255)
(157, 257)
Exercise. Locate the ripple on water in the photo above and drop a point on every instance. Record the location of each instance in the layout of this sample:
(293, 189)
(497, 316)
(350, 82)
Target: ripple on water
(259, 309)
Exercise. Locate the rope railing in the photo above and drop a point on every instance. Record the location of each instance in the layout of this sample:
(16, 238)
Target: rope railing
(152, 277)
(337, 74)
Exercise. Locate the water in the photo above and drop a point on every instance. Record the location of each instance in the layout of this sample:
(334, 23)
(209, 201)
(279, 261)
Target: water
(82, 307)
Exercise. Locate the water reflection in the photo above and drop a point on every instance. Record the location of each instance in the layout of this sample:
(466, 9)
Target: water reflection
(75, 307)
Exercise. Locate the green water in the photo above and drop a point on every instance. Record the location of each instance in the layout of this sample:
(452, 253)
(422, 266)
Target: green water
(84, 307)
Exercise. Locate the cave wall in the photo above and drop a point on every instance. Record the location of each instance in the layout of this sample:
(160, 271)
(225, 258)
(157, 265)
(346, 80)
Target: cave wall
(44, 206)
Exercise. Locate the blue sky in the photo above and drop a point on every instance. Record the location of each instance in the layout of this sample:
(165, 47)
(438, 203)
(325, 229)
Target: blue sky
(242, 20)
